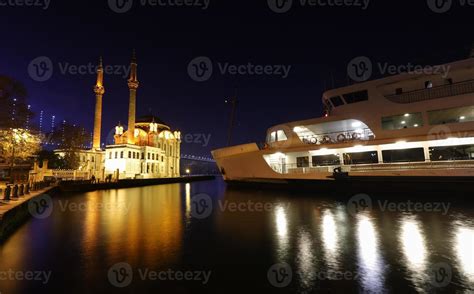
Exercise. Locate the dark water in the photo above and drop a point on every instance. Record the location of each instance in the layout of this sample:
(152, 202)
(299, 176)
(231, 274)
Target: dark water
(291, 243)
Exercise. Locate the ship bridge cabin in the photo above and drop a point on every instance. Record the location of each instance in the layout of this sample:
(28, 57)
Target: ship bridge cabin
(404, 119)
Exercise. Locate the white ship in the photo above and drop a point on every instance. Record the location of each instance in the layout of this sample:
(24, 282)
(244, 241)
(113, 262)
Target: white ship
(405, 128)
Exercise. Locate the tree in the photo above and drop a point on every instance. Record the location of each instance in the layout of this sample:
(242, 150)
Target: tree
(14, 112)
(18, 145)
(70, 139)
(54, 160)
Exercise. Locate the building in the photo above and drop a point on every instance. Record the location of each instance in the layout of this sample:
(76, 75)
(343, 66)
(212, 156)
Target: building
(148, 149)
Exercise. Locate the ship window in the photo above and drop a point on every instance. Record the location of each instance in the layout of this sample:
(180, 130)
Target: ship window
(281, 136)
(272, 137)
(336, 101)
(356, 97)
(464, 152)
(404, 155)
(402, 121)
(451, 115)
(326, 160)
(361, 158)
(302, 161)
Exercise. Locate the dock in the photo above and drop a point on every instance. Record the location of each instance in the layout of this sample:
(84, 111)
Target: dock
(14, 212)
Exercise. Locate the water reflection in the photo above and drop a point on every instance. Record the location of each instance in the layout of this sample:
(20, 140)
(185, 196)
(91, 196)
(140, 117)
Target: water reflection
(330, 239)
(414, 249)
(187, 189)
(464, 250)
(281, 221)
(306, 258)
(371, 265)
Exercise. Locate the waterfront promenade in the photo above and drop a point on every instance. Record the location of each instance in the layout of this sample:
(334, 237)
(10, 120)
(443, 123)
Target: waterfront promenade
(14, 212)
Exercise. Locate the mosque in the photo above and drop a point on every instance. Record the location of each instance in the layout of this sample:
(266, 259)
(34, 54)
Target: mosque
(147, 149)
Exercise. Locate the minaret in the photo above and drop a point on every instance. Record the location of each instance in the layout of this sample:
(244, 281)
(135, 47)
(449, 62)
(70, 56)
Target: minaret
(99, 91)
(133, 86)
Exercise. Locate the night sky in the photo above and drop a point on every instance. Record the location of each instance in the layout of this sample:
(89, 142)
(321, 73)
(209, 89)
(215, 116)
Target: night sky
(317, 42)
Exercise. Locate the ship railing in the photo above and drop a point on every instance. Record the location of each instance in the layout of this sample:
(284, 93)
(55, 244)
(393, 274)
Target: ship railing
(454, 164)
(456, 89)
(294, 168)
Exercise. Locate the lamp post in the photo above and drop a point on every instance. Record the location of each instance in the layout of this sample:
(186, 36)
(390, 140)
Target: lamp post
(188, 171)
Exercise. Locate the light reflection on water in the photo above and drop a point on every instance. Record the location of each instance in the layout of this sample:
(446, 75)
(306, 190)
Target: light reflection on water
(370, 262)
(153, 227)
(330, 238)
(413, 245)
(464, 251)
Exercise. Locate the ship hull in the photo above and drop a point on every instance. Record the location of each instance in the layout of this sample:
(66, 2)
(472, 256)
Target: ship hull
(245, 166)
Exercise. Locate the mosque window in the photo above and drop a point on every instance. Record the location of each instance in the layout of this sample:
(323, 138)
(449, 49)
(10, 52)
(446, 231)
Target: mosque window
(143, 155)
(153, 156)
(116, 154)
(149, 155)
(110, 155)
(162, 158)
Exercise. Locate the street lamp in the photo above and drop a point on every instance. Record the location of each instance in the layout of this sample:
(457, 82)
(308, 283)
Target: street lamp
(188, 171)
